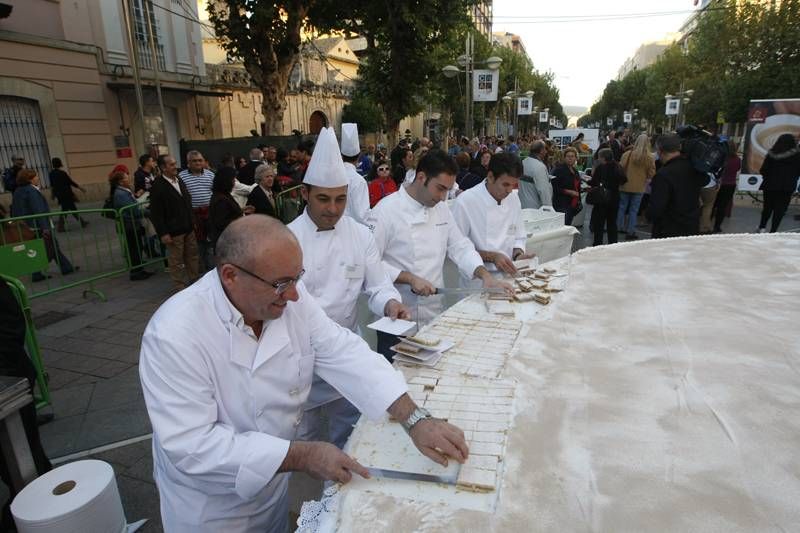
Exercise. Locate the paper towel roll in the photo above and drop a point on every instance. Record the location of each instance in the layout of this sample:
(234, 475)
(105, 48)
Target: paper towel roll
(79, 497)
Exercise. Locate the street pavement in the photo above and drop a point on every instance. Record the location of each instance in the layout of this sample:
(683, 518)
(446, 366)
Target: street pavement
(90, 349)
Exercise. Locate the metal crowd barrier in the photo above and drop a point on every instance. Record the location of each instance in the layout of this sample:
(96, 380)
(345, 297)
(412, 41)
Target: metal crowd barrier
(42, 390)
(289, 204)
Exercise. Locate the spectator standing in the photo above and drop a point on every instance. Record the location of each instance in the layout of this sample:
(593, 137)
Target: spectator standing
(567, 186)
(199, 181)
(171, 214)
(608, 175)
(727, 187)
(640, 167)
(61, 185)
(482, 168)
(262, 197)
(780, 171)
(366, 160)
(10, 174)
(122, 196)
(674, 206)
(535, 189)
(380, 183)
(465, 179)
(247, 172)
(405, 164)
(29, 200)
(303, 157)
(223, 208)
(144, 175)
(513, 147)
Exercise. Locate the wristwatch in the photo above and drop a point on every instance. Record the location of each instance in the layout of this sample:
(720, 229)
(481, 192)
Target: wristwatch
(420, 413)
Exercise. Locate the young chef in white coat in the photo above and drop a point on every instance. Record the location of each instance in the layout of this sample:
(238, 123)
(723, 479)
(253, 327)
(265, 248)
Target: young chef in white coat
(340, 260)
(358, 191)
(490, 215)
(226, 367)
(415, 231)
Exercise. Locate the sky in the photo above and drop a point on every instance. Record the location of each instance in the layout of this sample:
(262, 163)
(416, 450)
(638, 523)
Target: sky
(586, 54)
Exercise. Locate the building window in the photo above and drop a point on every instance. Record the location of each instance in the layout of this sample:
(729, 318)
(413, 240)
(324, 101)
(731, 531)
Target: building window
(141, 34)
(22, 133)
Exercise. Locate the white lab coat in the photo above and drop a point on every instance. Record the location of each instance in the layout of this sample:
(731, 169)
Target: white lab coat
(357, 206)
(339, 264)
(416, 239)
(491, 227)
(224, 405)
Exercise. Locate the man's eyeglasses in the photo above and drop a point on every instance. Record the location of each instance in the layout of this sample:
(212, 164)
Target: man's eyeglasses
(279, 286)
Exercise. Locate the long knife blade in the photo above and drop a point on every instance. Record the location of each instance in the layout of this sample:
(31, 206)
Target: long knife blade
(410, 476)
(463, 290)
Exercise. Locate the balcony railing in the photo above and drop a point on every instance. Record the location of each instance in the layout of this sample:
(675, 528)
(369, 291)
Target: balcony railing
(146, 56)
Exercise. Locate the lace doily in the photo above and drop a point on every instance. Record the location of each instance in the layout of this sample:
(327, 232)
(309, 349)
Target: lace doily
(319, 516)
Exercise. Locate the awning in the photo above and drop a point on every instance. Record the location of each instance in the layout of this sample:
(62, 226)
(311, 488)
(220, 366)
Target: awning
(116, 86)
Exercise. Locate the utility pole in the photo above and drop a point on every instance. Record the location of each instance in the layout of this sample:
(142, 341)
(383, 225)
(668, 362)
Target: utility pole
(468, 91)
(127, 13)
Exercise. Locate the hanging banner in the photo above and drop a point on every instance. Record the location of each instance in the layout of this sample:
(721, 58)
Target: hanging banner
(766, 121)
(673, 106)
(627, 118)
(524, 105)
(609, 121)
(543, 116)
(484, 85)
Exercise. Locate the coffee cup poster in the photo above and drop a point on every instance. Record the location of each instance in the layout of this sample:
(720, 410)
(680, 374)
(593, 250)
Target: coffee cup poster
(766, 121)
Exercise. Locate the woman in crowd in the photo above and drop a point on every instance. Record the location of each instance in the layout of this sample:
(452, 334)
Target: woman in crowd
(223, 209)
(727, 186)
(465, 178)
(482, 169)
(28, 200)
(381, 183)
(567, 186)
(640, 167)
(62, 184)
(122, 196)
(262, 197)
(609, 175)
(780, 171)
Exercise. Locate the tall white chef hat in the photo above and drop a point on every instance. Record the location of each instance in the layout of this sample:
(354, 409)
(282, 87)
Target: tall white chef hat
(350, 146)
(326, 168)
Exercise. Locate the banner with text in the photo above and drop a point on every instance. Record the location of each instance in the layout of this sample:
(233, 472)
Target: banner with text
(484, 85)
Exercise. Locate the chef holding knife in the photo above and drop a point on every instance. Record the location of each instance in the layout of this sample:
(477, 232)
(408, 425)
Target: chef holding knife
(490, 215)
(341, 260)
(415, 231)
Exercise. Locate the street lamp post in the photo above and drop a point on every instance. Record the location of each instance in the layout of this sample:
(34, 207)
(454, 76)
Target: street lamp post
(468, 62)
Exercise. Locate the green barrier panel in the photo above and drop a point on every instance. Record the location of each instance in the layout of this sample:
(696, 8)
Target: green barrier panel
(42, 390)
(24, 258)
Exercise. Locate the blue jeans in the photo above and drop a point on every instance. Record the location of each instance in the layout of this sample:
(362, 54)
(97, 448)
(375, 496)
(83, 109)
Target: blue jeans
(628, 203)
(342, 416)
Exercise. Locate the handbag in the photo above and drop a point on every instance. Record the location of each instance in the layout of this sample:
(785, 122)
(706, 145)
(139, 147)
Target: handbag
(597, 196)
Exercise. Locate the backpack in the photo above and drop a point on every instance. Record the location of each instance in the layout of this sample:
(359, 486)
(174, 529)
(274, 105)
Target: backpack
(109, 204)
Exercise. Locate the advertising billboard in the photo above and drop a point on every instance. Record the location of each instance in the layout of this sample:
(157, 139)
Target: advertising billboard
(766, 121)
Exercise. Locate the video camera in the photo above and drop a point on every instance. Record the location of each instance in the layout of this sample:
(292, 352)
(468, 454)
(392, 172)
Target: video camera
(704, 149)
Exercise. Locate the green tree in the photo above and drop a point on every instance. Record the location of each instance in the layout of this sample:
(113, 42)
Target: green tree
(363, 111)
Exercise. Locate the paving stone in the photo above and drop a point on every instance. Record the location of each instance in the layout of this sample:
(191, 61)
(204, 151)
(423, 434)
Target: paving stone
(113, 425)
(70, 401)
(50, 355)
(120, 391)
(59, 378)
(128, 456)
(78, 363)
(142, 469)
(140, 500)
(109, 369)
(60, 436)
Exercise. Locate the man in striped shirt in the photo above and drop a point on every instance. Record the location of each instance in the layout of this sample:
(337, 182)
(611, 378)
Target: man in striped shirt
(198, 180)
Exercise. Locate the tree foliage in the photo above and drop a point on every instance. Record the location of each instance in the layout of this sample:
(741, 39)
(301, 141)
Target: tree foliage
(739, 51)
(364, 111)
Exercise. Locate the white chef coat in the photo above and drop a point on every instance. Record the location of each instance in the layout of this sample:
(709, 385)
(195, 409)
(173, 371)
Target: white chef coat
(224, 405)
(339, 264)
(241, 192)
(416, 239)
(491, 227)
(357, 195)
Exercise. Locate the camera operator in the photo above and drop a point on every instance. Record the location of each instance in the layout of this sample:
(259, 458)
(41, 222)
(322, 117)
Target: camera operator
(674, 205)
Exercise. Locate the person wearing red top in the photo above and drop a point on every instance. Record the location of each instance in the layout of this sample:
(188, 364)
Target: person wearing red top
(727, 186)
(381, 183)
(567, 186)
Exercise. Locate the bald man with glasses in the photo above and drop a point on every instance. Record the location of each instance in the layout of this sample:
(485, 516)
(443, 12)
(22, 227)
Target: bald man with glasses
(226, 367)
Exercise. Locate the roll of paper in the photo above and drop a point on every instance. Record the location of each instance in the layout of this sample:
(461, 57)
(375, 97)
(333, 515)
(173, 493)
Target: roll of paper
(79, 497)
